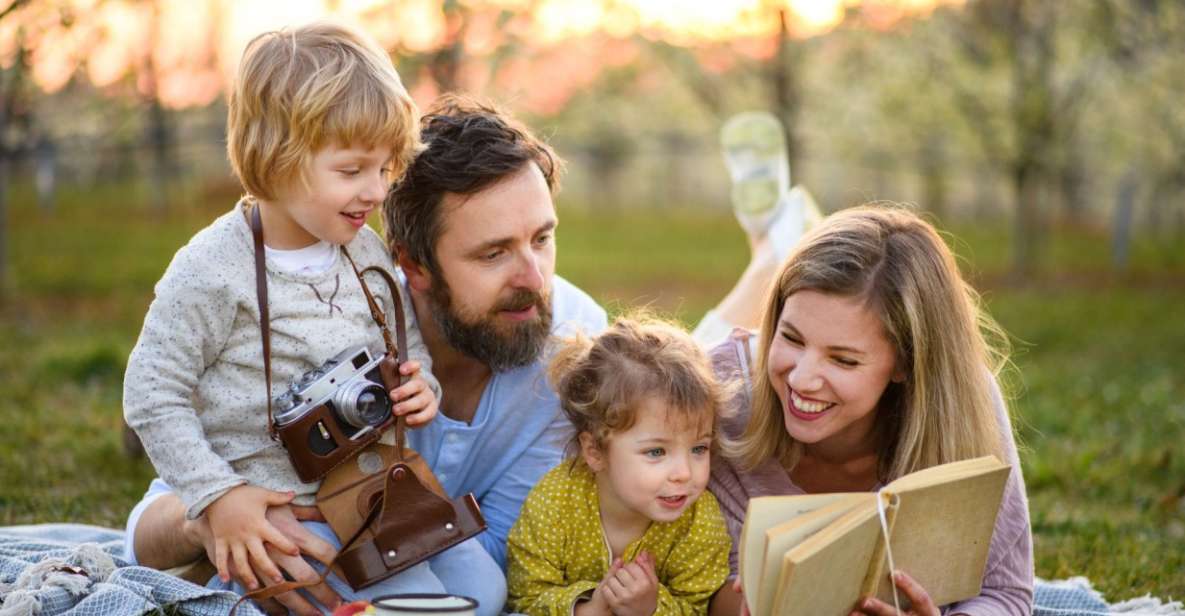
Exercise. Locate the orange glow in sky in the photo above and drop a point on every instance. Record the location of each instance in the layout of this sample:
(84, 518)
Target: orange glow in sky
(198, 42)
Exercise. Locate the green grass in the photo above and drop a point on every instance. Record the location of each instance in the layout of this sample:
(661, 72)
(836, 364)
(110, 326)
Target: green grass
(1102, 419)
(1100, 396)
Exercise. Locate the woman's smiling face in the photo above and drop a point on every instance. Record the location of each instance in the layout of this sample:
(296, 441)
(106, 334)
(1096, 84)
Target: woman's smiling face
(829, 362)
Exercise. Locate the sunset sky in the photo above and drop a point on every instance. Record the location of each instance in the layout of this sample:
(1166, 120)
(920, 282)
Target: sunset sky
(194, 45)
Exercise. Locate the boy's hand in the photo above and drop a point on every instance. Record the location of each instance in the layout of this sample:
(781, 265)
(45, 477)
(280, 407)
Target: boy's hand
(240, 528)
(287, 518)
(632, 589)
(414, 399)
(288, 521)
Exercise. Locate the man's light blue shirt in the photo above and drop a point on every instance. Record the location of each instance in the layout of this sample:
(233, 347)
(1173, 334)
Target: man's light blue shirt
(518, 432)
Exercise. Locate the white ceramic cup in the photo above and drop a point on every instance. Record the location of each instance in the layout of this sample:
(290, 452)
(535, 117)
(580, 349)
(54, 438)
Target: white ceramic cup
(424, 604)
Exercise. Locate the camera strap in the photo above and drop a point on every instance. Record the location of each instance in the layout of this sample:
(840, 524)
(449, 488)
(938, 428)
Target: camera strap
(396, 350)
(409, 518)
(265, 325)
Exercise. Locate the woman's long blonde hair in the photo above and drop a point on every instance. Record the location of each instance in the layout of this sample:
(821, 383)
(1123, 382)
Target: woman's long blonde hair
(945, 409)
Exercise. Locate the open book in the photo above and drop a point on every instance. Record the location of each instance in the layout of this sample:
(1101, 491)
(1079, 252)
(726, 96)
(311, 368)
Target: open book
(818, 554)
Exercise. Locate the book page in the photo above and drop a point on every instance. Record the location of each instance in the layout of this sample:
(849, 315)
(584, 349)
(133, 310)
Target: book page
(782, 537)
(823, 575)
(944, 472)
(764, 513)
(943, 527)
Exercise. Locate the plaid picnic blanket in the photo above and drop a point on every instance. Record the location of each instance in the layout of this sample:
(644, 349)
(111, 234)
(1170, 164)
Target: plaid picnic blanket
(1076, 597)
(52, 569)
(75, 569)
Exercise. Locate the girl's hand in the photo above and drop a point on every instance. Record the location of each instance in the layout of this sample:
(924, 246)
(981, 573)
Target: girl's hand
(633, 588)
(921, 605)
(239, 527)
(415, 398)
(598, 605)
(593, 607)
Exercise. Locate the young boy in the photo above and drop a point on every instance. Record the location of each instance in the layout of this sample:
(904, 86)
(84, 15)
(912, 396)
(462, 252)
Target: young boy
(318, 127)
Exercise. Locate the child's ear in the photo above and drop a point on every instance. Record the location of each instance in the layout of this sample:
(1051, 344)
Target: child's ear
(898, 375)
(591, 452)
(418, 277)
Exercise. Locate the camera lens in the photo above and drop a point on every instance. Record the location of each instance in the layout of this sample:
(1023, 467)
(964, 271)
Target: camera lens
(362, 403)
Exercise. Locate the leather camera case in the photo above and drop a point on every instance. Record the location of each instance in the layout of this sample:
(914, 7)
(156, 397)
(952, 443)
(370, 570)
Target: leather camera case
(410, 517)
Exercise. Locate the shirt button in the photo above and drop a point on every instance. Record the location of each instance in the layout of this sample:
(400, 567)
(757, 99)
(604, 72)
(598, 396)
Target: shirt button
(441, 476)
(452, 438)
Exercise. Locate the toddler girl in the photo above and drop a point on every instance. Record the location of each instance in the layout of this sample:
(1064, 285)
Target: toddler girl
(625, 526)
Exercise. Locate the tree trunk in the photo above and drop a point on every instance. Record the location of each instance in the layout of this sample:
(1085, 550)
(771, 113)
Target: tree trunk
(156, 132)
(1121, 225)
(784, 79)
(445, 63)
(10, 87)
(934, 177)
(159, 139)
(1072, 177)
(1027, 187)
(3, 218)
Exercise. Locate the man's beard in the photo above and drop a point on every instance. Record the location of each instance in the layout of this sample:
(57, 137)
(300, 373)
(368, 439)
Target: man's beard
(482, 339)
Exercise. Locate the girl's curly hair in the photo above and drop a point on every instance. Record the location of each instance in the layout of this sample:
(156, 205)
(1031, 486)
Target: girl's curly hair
(602, 382)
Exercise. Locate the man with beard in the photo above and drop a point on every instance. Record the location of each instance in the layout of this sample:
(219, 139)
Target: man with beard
(472, 225)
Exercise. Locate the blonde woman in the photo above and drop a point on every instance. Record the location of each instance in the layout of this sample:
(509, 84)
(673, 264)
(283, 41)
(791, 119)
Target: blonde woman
(875, 360)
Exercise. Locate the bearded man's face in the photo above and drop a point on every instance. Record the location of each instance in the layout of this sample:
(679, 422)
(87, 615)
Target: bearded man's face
(491, 295)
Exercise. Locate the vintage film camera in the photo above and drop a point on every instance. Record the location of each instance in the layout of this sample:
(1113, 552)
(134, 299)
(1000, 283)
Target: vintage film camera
(332, 411)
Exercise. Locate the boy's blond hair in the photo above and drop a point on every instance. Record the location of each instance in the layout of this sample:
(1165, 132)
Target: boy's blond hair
(298, 90)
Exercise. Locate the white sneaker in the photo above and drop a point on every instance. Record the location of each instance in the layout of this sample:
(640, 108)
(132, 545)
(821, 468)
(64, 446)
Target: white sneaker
(796, 214)
(754, 148)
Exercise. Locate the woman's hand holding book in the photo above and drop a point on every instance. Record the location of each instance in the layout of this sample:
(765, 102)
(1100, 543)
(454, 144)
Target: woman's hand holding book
(919, 600)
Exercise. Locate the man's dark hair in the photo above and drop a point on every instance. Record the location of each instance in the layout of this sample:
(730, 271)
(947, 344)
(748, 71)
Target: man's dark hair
(469, 146)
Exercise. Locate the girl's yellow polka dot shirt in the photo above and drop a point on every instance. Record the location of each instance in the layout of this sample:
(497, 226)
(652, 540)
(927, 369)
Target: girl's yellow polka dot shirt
(557, 551)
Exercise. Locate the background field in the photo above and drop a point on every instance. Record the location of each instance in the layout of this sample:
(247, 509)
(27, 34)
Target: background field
(1099, 393)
